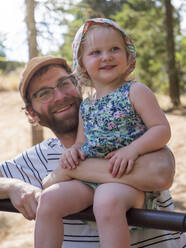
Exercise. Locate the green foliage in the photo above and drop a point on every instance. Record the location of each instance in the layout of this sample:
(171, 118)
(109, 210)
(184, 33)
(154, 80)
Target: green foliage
(82, 11)
(143, 21)
(66, 49)
(9, 74)
(181, 61)
(8, 66)
(2, 52)
(2, 47)
(101, 8)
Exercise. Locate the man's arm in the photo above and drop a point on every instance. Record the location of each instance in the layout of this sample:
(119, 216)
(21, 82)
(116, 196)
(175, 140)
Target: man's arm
(152, 172)
(23, 196)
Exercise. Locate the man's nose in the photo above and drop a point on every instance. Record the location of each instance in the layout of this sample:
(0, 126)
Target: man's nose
(58, 94)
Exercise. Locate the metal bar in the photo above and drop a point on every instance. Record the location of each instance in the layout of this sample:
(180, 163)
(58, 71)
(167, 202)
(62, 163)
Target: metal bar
(172, 221)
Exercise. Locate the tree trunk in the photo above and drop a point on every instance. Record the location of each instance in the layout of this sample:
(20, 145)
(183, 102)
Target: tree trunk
(172, 70)
(37, 131)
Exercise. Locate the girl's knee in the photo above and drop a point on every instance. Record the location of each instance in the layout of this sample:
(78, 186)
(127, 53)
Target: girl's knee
(47, 204)
(108, 208)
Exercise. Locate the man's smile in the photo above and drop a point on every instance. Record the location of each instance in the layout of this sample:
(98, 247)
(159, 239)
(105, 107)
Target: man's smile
(63, 108)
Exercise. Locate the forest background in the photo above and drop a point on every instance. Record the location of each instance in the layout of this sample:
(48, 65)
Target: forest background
(153, 25)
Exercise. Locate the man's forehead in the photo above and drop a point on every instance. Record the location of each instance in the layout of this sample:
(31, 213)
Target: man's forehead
(52, 74)
(49, 78)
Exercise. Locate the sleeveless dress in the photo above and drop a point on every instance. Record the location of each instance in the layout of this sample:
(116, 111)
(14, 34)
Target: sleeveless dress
(110, 122)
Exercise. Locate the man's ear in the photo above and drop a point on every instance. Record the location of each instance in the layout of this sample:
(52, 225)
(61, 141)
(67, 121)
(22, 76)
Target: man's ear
(33, 114)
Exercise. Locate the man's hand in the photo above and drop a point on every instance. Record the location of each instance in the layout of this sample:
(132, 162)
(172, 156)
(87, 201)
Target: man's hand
(122, 161)
(24, 197)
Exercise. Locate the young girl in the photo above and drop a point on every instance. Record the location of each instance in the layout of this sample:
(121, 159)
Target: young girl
(121, 110)
(120, 122)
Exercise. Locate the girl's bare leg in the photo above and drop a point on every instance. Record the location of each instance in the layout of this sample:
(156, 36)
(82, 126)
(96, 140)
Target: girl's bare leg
(111, 202)
(58, 201)
(56, 176)
(157, 168)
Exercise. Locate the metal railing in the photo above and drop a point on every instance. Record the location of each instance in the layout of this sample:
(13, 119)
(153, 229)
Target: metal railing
(172, 221)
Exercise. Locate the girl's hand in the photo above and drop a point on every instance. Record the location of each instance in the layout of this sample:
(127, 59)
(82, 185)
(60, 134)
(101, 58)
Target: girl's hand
(70, 158)
(122, 161)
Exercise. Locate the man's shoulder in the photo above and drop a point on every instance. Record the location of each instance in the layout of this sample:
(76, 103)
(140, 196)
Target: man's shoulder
(33, 164)
(48, 146)
(51, 143)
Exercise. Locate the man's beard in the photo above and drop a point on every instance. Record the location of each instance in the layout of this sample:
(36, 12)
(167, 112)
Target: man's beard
(62, 126)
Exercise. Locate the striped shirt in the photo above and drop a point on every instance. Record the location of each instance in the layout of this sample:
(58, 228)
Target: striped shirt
(37, 162)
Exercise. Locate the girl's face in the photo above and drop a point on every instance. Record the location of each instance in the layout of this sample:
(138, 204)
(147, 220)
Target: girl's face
(104, 56)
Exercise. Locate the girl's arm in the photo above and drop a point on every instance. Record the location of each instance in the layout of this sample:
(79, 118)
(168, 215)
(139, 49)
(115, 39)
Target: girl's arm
(80, 138)
(146, 105)
(156, 137)
(70, 158)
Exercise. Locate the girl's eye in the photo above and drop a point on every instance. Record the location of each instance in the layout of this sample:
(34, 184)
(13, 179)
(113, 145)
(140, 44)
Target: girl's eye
(97, 52)
(114, 49)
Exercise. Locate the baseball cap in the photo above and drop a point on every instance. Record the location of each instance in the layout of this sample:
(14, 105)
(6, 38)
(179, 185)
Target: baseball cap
(33, 66)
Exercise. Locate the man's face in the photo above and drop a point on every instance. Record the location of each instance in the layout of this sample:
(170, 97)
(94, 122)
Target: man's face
(60, 114)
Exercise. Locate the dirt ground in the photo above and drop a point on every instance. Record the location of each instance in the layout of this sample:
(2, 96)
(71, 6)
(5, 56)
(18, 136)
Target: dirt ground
(15, 137)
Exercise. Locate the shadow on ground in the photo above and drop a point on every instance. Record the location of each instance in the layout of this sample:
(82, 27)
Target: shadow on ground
(177, 111)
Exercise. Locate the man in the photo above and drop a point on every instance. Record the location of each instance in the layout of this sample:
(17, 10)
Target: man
(52, 99)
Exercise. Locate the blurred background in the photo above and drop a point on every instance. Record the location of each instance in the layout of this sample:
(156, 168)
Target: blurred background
(29, 28)
(158, 28)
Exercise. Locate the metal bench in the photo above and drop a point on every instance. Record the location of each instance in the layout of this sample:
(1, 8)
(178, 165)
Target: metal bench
(172, 221)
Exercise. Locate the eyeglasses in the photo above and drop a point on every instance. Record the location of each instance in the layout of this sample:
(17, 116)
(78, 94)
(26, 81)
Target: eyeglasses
(45, 95)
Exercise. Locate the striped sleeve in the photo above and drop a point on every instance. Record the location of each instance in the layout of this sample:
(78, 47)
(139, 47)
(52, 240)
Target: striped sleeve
(30, 166)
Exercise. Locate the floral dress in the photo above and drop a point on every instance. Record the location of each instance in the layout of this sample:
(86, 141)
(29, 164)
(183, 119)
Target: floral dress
(110, 122)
